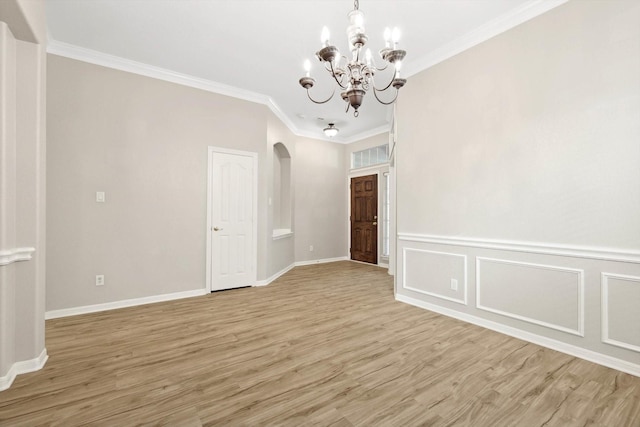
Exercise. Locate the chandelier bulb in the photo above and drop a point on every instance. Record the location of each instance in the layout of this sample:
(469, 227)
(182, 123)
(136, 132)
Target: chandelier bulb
(368, 56)
(395, 36)
(307, 67)
(324, 36)
(387, 37)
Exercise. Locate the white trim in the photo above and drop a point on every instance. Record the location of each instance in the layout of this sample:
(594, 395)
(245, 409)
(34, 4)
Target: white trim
(281, 233)
(274, 276)
(65, 312)
(604, 286)
(15, 255)
(322, 261)
(606, 254)
(367, 134)
(95, 57)
(23, 367)
(580, 273)
(254, 157)
(591, 356)
(467, 41)
(366, 170)
(68, 50)
(433, 294)
(483, 33)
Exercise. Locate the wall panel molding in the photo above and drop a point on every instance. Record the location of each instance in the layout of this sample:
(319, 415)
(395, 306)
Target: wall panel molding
(15, 255)
(405, 285)
(605, 289)
(579, 331)
(605, 254)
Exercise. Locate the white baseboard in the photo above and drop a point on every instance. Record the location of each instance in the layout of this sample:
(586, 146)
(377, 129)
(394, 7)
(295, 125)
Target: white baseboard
(23, 367)
(54, 314)
(321, 261)
(274, 277)
(298, 264)
(591, 356)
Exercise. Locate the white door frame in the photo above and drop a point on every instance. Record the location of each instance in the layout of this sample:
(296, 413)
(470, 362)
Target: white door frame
(254, 157)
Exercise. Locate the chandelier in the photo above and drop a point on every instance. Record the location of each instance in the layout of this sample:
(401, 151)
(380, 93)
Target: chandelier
(355, 76)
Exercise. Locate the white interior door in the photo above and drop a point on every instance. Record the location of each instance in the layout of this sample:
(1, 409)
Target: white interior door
(232, 219)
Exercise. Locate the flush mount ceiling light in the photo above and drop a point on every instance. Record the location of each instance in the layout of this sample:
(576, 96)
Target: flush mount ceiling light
(331, 131)
(355, 76)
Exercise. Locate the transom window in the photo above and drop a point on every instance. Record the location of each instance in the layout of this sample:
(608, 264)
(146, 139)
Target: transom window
(370, 156)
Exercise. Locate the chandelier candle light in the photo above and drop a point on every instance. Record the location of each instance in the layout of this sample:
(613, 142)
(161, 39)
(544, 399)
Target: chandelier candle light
(355, 77)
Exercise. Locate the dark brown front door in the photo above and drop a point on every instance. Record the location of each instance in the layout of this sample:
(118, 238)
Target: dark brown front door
(364, 218)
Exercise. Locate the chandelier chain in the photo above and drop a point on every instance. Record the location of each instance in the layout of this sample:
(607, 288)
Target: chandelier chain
(356, 4)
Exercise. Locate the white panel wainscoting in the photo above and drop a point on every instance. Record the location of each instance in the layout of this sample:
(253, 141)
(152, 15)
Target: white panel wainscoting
(545, 295)
(621, 310)
(580, 300)
(432, 273)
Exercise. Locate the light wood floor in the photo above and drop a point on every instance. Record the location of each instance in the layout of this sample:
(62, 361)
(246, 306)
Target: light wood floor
(323, 345)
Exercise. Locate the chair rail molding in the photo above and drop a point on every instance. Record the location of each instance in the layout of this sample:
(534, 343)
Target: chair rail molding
(15, 255)
(589, 252)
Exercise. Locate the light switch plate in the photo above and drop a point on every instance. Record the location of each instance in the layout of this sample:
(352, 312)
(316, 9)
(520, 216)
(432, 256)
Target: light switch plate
(100, 196)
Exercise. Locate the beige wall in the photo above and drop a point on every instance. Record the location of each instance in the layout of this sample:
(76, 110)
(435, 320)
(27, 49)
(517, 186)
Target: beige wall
(321, 210)
(532, 136)
(280, 251)
(22, 188)
(144, 143)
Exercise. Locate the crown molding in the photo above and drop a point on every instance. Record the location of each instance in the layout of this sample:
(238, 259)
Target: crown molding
(78, 53)
(368, 134)
(111, 61)
(483, 33)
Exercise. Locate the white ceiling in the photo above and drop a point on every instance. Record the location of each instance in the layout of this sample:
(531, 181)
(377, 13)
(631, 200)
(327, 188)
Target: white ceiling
(255, 49)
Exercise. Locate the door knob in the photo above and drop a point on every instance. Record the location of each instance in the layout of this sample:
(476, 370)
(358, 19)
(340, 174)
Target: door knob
(375, 223)
(216, 229)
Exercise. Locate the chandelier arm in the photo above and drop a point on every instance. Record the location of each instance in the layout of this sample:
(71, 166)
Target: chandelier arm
(333, 73)
(320, 102)
(375, 93)
(387, 86)
(380, 69)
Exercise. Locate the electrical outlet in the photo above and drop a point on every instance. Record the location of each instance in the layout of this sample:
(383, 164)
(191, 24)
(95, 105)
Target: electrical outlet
(311, 248)
(99, 279)
(454, 285)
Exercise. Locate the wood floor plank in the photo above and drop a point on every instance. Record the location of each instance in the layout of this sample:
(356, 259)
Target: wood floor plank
(324, 345)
